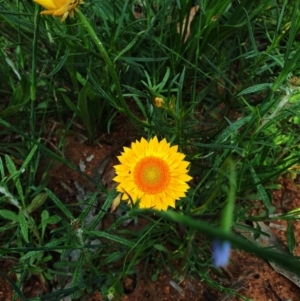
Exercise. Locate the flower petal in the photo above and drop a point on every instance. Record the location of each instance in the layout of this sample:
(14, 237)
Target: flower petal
(221, 253)
(49, 4)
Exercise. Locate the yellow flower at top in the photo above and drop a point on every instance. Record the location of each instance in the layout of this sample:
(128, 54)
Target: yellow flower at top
(58, 8)
(153, 173)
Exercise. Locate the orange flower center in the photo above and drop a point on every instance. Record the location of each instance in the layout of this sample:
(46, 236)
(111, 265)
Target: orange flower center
(152, 175)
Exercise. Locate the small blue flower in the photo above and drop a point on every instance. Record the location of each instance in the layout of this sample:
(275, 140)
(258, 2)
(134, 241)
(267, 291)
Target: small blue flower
(221, 253)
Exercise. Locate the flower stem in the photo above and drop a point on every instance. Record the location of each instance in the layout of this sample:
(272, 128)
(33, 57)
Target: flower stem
(121, 101)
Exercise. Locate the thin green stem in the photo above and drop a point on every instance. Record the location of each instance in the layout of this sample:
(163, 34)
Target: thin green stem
(34, 56)
(122, 103)
(33, 85)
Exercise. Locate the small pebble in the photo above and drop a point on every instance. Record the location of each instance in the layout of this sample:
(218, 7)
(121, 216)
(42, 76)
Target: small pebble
(90, 158)
(82, 166)
(178, 288)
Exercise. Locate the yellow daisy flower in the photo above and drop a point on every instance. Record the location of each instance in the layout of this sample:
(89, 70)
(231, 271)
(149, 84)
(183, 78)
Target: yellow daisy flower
(58, 8)
(152, 172)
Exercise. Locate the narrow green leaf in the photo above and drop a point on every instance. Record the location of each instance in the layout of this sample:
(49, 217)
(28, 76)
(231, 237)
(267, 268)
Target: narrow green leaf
(255, 88)
(7, 214)
(72, 106)
(44, 217)
(281, 15)
(160, 247)
(165, 79)
(54, 219)
(46, 247)
(140, 105)
(103, 210)
(29, 157)
(129, 46)
(264, 196)
(2, 174)
(11, 64)
(293, 30)
(19, 98)
(179, 92)
(60, 64)
(7, 227)
(88, 207)
(251, 35)
(232, 128)
(14, 174)
(120, 22)
(57, 242)
(77, 279)
(59, 204)
(111, 237)
(290, 237)
(23, 226)
(290, 66)
(29, 254)
(10, 166)
(113, 257)
(37, 202)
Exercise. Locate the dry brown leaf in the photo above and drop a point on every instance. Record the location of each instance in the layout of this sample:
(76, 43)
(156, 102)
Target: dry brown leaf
(191, 16)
